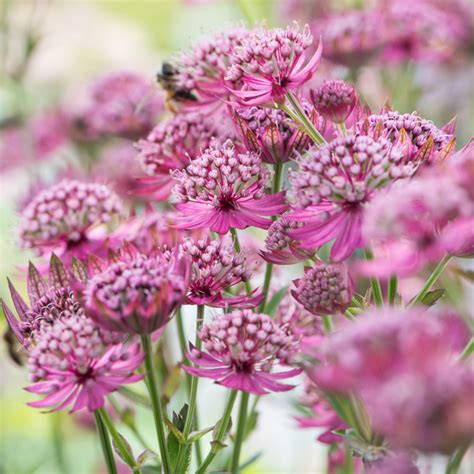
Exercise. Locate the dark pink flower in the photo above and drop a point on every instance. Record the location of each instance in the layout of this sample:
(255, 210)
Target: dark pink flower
(63, 217)
(223, 188)
(136, 293)
(171, 146)
(334, 100)
(271, 62)
(72, 363)
(280, 247)
(216, 267)
(324, 289)
(333, 185)
(242, 348)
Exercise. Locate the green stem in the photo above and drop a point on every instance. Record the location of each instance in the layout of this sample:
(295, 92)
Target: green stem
(152, 385)
(468, 350)
(105, 443)
(58, 441)
(433, 278)
(235, 239)
(220, 433)
(392, 290)
(303, 119)
(455, 459)
(327, 323)
(135, 397)
(183, 342)
(374, 282)
(349, 315)
(190, 420)
(239, 437)
(120, 445)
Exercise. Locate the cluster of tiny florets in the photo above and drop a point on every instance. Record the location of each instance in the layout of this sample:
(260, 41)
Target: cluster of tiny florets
(335, 100)
(278, 237)
(259, 119)
(221, 176)
(347, 169)
(244, 339)
(66, 211)
(323, 289)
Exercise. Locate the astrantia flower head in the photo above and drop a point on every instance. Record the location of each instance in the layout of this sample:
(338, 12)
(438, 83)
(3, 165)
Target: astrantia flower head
(73, 363)
(61, 216)
(334, 100)
(223, 188)
(280, 247)
(271, 62)
(122, 104)
(269, 131)
(324, 289)
(215, 267)
(242, 348)
(170, 146)
(333, 184)
(137, 293)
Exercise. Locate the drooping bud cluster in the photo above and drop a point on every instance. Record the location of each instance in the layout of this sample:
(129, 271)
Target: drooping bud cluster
(64, 212)
(324, 289)
(215, 267)
(137, 293)
(223, 188)
(242, 347)
(73, 363)
(334, 100)
(272, 61)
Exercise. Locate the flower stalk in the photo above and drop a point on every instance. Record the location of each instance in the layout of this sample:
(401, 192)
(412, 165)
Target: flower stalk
(105, 443)
(239, 436)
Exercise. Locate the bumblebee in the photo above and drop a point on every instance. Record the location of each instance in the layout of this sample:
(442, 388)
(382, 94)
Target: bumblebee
(167, 78)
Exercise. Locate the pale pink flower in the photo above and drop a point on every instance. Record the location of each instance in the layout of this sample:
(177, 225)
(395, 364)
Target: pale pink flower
(334, 100)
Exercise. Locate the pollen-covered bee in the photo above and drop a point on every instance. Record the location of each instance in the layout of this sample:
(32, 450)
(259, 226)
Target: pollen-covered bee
(168, 81)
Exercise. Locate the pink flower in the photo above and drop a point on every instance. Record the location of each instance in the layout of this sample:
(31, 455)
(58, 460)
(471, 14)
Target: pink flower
(242, 347)
(122, 104)
(333, 185)
(63, 216)
(73, 364)
(271, 62)
(223, 189)
(280, 247)
(136, 293)
(171, 146)
(324, 289)
(334, 100)
(216, 267)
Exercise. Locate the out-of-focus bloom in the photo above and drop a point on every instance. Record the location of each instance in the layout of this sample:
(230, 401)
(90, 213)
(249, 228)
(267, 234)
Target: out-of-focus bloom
(334, 100)
(333, 185)
(63, 216)
(215, 267)
(380, 361)
(398, 462)
(73, 364)
(271, 62)
(121, 104)
(223, 188)
(136, 293)
(280, 247)
(418, 222)
(350, 37)
(324, 289)
(242, 348)
(202, 70)
(171, 146)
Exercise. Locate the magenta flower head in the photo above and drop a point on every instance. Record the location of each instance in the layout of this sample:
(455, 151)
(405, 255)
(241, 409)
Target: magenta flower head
(324, 289)
(334, 100)
(170, 146)
(73, 363)
(223, 188)
(242, 347)
(137, 293)
(121, 104)
(271, 62)
(270, 131)
(215, 268)
(280, 247)
(63, 216)
(333, 185)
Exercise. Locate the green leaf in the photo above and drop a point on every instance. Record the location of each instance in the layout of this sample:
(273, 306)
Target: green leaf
(127, 417)
(128, 448)
(171, 383)
(250, 461)
(146, 456)
(433, 296)
(251, 423)
(176, 432)
(216, 429)
(150, 469)
(195, 435)
(275, 301)
(176, 440)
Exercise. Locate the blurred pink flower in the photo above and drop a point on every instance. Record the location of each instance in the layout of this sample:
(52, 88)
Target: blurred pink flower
(334, 100)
